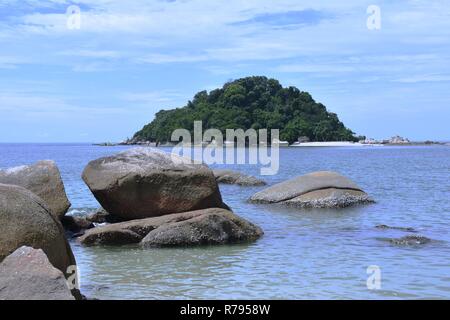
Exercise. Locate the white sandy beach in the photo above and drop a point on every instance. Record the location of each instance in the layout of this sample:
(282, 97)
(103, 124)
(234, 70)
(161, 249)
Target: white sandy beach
(333, 144)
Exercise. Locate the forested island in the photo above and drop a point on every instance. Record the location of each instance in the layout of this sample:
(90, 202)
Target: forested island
(251, 102)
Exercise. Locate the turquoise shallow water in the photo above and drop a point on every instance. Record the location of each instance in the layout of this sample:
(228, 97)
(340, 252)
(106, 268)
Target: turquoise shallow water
(304, 254)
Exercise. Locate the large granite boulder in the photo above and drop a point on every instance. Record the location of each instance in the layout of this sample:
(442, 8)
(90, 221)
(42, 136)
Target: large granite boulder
(25, 220)
(145, 182)
(234, 177)
(200, 227)
(210, 228)
(323, 189)
(43, 179)
(27, 274)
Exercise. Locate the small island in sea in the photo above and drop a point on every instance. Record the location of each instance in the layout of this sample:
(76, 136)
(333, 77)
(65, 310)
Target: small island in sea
(259, 102)
(251, 103)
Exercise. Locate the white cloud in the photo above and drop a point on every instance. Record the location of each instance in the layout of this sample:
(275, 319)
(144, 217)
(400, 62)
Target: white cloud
(314, 68)
(24, 104)
(153, 97)
(424, 78)
(171, 58)
(92, 67)
(7, 62)
(118, 28)
(108, 54)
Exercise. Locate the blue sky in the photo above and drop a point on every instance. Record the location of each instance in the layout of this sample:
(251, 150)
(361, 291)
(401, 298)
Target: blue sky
(129, 59)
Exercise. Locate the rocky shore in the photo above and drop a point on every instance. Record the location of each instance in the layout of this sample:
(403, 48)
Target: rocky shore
(149, 199)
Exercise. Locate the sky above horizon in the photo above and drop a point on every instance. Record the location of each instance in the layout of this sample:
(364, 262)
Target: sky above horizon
(129, 59)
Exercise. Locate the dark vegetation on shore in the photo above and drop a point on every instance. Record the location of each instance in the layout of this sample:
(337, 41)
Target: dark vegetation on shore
(252, 102)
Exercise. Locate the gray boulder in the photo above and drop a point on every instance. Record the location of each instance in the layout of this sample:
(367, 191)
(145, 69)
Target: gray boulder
(25, 220)
(43, 179)
(234, 177)
(145, 182)
(210, 228)
(200, 227)
(323, 189)
(27, 274)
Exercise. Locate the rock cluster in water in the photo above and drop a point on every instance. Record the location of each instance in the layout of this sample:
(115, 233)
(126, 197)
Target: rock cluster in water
(322, 189)
(162, 200)
(149, 198)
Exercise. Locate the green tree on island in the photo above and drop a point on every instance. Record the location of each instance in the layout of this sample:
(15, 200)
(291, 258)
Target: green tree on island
(252, 102)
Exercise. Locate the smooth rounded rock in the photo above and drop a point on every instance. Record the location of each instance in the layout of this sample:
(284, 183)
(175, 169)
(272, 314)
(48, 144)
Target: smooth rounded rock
(323, 189)
(213, 227)
(43, 179)
(25, 220)
(145, 182)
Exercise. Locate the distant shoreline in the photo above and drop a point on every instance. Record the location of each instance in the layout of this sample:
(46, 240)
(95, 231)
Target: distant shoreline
(327, 144)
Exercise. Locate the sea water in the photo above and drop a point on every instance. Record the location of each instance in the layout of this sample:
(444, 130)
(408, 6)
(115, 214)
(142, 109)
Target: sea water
(304, 254)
